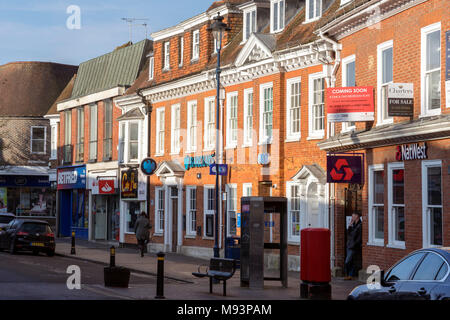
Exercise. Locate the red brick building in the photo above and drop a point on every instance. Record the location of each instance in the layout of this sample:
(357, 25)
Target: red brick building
(274, 72)
(405, 199)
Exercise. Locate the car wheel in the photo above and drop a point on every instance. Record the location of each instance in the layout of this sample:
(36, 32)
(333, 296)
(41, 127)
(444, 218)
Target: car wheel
(50, 253)
(12, 247)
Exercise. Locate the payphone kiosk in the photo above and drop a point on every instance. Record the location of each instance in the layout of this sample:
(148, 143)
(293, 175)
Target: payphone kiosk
(263, 229)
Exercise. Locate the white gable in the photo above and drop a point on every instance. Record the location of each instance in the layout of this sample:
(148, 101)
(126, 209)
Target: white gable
(253, 51)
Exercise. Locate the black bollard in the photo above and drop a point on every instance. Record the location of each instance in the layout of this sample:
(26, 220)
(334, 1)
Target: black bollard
(112, 256)
(72, 250)
(160, 277)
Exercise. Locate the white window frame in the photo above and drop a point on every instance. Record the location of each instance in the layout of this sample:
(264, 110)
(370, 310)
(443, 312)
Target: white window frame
(181, 44)
(128, 141)
(167, 55)
(228, 188)
(67, 127)
(380, 49)
(315, 16)
(292, 136)
(347, 126)
(253, 23)
(195, 45)
(159, 130)
(263, 138)
(289, 184)
(207, 212)
(151, 68)
(45, 139)
(175, 129)
(191, 140)
(315, 134)
(425, 215)
(122, 134)
(248, 131)
(232, 143)
(159, 230)
(281, 17)
(190, 211)
(245, 187)
(344, 2)
(392, 243)
(209, 141)
(424, 112)
(54, 142)
(373, 241)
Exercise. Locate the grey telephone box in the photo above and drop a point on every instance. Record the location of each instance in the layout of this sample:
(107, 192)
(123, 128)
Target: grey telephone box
(263, 228)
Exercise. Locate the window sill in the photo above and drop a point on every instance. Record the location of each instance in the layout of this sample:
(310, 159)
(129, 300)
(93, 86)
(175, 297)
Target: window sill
(158, 234)
(190, 236)
(396, 246)
(209, 149)
(384, 122)
(292, 139)
(166, 70)
(234, 146)
(262, 143)
(375, 244)
(159, 154)
(294, 242)
(208, 238)
(194, 61)
(430, 114)
(129, 233)
(315, 137)
(190, 151)
(247, 145)
(175, 153)
(311, 20)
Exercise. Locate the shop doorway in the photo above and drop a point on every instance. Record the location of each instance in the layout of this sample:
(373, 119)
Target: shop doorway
(174, 215)
(353, 203)
(105, 220)
(312, 216)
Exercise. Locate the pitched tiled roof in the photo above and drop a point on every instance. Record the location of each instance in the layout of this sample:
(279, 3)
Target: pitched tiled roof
(65, 94)
(30, 88)
(217, 4)
(118, 68)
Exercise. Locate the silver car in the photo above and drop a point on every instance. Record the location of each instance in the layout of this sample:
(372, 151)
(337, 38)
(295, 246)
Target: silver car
(5, 218)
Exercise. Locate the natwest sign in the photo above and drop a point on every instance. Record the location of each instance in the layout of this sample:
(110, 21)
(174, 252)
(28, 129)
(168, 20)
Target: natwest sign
(411, 152)
(345, 169)
(350, 104)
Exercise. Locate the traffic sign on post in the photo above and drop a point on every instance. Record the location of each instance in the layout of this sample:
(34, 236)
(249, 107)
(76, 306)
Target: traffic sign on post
(223, 169)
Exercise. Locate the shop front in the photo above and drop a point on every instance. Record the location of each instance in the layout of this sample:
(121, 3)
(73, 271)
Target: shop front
(74, 207)
(28, 196)
(133, 200)
(104, 207)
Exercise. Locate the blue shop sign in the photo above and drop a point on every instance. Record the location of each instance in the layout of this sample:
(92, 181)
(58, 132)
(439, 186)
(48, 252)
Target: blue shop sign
(199, 162)
(72, 178)
(24, 181)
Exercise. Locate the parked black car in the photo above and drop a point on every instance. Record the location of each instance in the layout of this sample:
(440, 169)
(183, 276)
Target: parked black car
(5, 218)
(421, 275)
(28, 235)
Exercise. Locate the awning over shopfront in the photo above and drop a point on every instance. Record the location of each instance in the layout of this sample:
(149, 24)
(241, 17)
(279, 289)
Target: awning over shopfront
(24, 170)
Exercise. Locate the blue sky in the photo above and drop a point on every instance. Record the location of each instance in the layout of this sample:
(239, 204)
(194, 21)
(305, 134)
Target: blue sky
(35, 30)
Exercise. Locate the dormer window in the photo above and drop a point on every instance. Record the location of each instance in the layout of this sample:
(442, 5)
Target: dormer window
(166, 55)
(313, 10)
(151, 68)
(277, 14)
(249, 23)
(195, 44)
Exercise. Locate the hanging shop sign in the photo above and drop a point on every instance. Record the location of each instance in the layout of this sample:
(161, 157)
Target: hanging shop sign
(199, 162)
(400, 99)
(411, 152)
(148, 166)
(72, 178)
(223, 169)
(129, 184)
(350, 104)
(345, 169)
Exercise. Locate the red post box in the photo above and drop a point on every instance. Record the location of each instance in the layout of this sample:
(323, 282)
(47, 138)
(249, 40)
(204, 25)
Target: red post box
(315, 269)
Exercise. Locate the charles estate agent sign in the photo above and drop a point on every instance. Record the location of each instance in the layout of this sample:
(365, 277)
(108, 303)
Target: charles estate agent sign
(400, 100)
(350, 104)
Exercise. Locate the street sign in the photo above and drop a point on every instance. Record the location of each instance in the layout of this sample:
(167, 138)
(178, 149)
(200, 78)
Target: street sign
(223, 169)
(148, 166)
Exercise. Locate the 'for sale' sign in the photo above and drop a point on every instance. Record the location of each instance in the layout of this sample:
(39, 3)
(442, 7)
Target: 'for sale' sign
(400, 100)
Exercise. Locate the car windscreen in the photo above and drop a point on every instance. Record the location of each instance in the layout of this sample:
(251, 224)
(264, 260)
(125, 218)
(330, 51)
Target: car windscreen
(5, 219)
(35, 228)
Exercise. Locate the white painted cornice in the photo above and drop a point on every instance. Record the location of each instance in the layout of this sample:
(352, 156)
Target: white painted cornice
(91, 98)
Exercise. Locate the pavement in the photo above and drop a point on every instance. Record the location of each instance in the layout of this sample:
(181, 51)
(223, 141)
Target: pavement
(180, 284)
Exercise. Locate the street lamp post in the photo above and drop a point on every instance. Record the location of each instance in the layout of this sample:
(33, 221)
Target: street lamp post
(217, 28)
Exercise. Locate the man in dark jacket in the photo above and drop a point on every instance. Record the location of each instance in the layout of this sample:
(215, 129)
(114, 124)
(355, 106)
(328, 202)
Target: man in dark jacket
(354, 240)
(141, 229)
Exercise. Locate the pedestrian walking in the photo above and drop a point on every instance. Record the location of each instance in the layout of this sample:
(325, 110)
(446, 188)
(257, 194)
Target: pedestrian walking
(142, 230)
(354, 240)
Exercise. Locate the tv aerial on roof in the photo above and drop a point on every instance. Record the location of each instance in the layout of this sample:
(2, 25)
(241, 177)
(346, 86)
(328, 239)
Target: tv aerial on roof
(131, 23)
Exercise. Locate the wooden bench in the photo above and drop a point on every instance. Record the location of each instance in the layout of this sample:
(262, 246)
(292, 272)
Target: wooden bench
(220, 269)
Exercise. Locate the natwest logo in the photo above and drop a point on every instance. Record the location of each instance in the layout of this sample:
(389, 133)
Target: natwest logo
(345, 168)
(411, 152)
